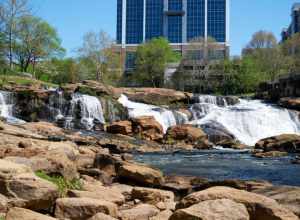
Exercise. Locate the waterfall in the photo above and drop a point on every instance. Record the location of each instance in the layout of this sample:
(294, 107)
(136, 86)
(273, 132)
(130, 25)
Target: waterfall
(88, 109)
(165, 117)
(6, 108)
(249, 120)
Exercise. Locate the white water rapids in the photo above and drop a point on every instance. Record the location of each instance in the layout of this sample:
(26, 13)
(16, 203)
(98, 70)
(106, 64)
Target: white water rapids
(6, 108)
(164, 116)
(249, 121)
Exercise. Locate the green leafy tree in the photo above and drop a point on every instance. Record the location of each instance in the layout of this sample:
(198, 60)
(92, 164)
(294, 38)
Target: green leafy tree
(11, 11)
(97, 51)
(36, 41)
(151, 60)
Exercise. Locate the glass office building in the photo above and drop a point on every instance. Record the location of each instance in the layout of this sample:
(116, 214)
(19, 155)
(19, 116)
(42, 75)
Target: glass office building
(180, 21)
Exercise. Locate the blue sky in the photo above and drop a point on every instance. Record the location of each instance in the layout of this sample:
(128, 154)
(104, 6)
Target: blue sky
(73, 18)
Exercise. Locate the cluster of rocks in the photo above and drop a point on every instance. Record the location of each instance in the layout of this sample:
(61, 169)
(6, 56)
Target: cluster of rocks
(112, 186)
(186, 137)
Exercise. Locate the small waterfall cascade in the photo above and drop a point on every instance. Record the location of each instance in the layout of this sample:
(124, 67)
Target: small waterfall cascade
(165, 117)
(86, 108)
(6, 108)
(57, 105)
(7, 103)
(249, 120)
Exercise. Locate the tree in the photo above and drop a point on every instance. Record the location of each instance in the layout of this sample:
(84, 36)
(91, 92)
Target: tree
(97, 50)
(262, 40)
(10, 12)
(151, 60)
(36, 40)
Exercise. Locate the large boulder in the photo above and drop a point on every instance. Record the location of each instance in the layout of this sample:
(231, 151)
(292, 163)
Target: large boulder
(140, 174)
(101, 216)
(140, 212)
(290, 103)
(187, 134)
(155, 96)
(99, 192)
(159, 198)
(147, 128)
(287, 196)
(25, 214)
(287, 143)
(120, 127)
(224, 209)
(23, 188)
(164, 215)
(259, 207)
(83, 208)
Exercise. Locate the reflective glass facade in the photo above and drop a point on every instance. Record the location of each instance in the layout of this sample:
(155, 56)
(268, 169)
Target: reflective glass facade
(134, 21)
(154, 18)
(175, 22)
(216, 19)
(195, 19)
(119, 21)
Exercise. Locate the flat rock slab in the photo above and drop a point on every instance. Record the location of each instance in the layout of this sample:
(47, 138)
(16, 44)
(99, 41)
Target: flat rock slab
(25, 214)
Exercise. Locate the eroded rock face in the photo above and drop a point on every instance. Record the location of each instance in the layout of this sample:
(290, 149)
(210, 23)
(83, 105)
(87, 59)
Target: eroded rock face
(25, 214)
(224, 209)
(19, 184)
(147, 128)
(83, 208)
(101, 216)
(290, 103)
(187, 134)
(259, 207)
(140, 174)
(154, 197)
(140, 212)
(285, 143)
(155, 96)
(289, 197)
(120, 127)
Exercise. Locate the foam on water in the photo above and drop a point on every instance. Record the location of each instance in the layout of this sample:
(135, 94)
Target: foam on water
(164, 116)
(249, 121)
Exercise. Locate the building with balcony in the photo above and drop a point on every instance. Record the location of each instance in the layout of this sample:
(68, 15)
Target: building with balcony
(180, 21)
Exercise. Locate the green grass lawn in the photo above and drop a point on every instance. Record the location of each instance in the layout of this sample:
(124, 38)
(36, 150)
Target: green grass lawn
(19, 80)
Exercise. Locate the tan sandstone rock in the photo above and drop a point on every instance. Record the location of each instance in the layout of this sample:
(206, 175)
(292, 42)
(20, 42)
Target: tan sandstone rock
(140, 174)
(120, 127)
(101, 216)
(259, 207)
(83, 208)
(140, 212)
(224, 209)
(25, 214)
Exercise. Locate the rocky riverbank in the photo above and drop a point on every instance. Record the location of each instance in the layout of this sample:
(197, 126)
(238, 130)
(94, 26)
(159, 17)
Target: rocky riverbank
(49, 173)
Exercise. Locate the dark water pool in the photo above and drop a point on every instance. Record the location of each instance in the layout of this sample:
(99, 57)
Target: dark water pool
(220, 165)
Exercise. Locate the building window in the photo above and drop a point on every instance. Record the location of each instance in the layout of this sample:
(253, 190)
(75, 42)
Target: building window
(175, 22)
(217, 20)
(154, 19)
(195, 19)
(134, 21)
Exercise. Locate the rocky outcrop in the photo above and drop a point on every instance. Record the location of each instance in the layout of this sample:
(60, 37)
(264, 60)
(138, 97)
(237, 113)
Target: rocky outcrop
(259, 207)
(187, 134)
(162, 199)
(284, 195)
(270, 154)
(147, 128)
(120, 127)
(224, 209)
(101, 216)
(285, 143)
(83, 208)
(155, 96)
(23, 188)
(290, 103)
(25, 214)
(140, 212)
(140, 174)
